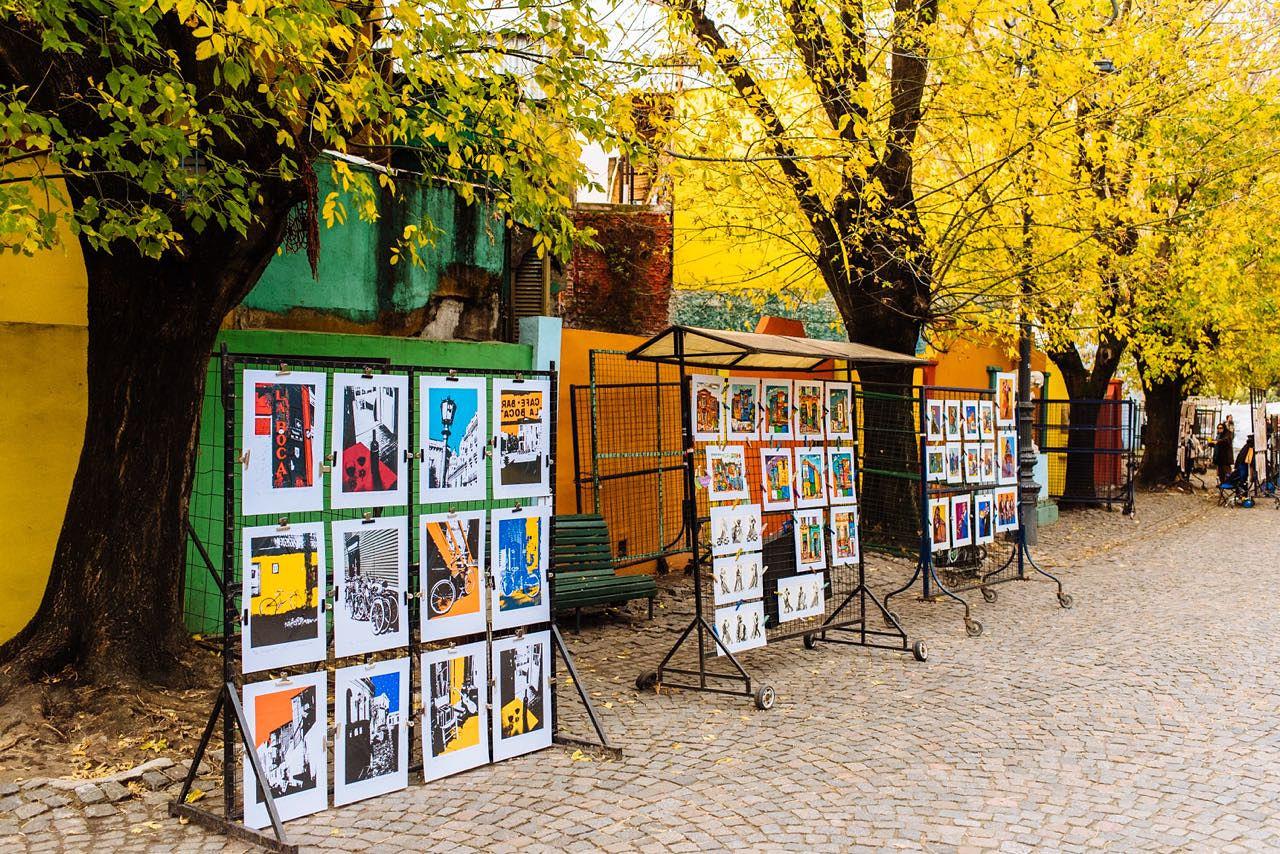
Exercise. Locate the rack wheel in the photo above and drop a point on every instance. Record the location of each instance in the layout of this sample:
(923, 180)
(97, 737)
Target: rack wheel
(920, 651)
(972, 628)
(890, 618)
(989, 595)
(810, 642)
(765, 697)
(1065, 600)
(647, 680)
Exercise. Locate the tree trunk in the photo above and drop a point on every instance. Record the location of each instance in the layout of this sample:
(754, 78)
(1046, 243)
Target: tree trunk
(1085, 387)
(1160, 455)
(113, 606)
(889, 505)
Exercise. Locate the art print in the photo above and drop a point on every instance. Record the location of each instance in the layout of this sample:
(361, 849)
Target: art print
(737, 578)
(1007, 456)
(522, 681)
(987, 462)
(935, 459)
(370, 436)
(776, 479)
(844, 536)
(371, 750)
(371, 583)
(961, 523)
(735, 529)
(1006, 399)
(777, 409)
(282, 436)
(519, 561)
(707, 394)
(953, 423)
(939, 524)
(987, 419)
(1006, 510)
(801, 597)
(455, 697)
(744, 409)
(810, 538)
(984, 518)
(288, 724)
(841, 481)
(454, 415)
(522, 421)
(972, 464)
(839, 415)
(811, 488)
(808, 410)
(451, 560)
(970, 427)
(740, 627)
(955, 462)
(283, 579)
(726, 473)
(934, 420)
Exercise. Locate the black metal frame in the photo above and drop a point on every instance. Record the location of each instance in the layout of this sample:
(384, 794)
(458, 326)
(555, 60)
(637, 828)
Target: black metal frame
(1126, 453)
(227, 704)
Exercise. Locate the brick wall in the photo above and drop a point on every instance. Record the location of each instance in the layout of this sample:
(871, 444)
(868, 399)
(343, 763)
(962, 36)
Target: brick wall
(625, 284)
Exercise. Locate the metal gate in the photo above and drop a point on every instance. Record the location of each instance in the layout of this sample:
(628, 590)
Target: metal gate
(1090, 446)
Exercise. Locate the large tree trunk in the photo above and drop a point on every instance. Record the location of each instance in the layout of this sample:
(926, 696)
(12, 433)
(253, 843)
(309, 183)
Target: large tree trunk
(1160, 453)
(112, 609)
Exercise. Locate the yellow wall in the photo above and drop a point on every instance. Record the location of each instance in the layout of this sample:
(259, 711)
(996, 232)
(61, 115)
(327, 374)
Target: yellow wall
(43, 338)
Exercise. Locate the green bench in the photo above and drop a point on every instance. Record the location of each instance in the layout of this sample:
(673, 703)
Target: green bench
(582, 568)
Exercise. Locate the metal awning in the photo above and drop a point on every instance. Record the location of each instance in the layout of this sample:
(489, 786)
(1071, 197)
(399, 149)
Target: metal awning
(720, 348)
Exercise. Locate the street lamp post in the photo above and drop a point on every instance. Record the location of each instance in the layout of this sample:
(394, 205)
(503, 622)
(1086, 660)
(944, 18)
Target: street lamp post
(1028, 489)
(447, 411)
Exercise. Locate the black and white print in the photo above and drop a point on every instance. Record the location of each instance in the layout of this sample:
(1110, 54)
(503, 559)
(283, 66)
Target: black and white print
(453, 426)
(736, 529)
(801, 596)
(371, 756)
(455, 701)
(522, 707)
(740, 627)
(737, 578)
(371, 578)
(522, 435)
(370, 436)
(287, 722)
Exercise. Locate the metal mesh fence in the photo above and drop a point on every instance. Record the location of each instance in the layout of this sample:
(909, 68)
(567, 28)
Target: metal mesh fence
(1090, 446)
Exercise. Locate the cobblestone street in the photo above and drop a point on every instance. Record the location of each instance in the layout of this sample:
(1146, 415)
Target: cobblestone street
(1143, 719)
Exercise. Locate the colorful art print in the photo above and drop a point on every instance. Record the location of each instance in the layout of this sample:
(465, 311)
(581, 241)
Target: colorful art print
(744, 409)
(934, 420)
(777, 409)
(955, 462)
(288, 725)
(987, 419)
(844, 536)
(371, 750)
(370, 436)
(454, 416)
(1006, 399)
(283, 579)
(984, 521)
(371, 580)
(519, 566)
(953, 421)
(841, 479)
(282, 435)
(839, 415)
(776, 480)
(737, 578)
(455, 700)
(522, 419)
(935, 461)
(987, 462)
(726, 473)
(740, 627)
(808, 409)
(801, 597)
(735, 529)
(451, 561)
(972, 464)
(810, 538)
(970, 426)
(811, 489)
(706, 394)
(939, 524)
(1006, 510)
(961, 523)
(1007, 456)
(522, 679)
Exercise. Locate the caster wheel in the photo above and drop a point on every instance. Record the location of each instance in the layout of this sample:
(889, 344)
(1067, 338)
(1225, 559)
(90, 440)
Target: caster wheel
(989, 595)
(920, 651)
(1065, 600)
(810, 642)
(891, 618)
(973, 628)
(647, 680)
(765, 698)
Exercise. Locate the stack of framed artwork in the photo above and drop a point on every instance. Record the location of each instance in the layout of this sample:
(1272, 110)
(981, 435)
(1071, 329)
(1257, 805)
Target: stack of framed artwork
(389, 525)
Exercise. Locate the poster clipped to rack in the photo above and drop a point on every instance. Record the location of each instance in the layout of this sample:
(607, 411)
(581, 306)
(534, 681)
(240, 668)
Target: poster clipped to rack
(706, 391)
(744, 408)
(726, 477)
(287, 725)
(740, 627)
(282, 576)
(455, 700)
(839, 411)
(522, 682)
(371, 750)
(454, 437)
(521, 417)
(801, 596)
(451, 566)
(737, 578)
(371, 580)
(282, 441)
(519, 565)
(735, 529)
(370, 436)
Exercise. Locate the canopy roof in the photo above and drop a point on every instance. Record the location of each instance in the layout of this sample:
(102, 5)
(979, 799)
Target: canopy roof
(720, 348)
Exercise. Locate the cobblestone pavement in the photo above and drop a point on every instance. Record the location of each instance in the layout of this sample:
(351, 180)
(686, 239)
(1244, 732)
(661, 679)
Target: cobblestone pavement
(1143, 719)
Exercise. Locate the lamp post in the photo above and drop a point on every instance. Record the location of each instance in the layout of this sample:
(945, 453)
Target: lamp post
(447, 411)
(1028, 489)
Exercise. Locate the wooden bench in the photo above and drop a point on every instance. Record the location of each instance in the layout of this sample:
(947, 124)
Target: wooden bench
(582, 567)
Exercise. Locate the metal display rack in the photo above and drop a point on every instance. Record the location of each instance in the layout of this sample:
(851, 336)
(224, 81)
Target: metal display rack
(848, 599)
(227, 705)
